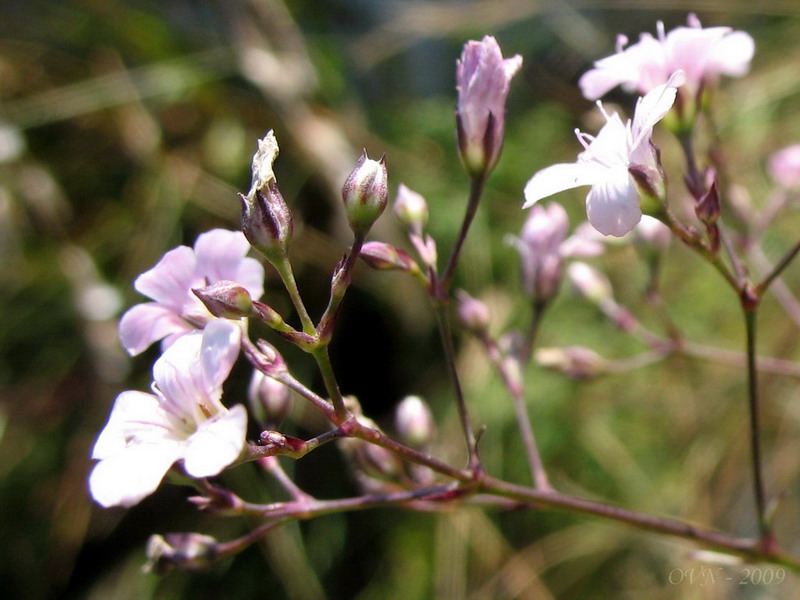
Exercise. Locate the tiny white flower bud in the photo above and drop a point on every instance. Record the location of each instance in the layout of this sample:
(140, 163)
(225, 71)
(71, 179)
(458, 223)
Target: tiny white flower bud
(414, 422)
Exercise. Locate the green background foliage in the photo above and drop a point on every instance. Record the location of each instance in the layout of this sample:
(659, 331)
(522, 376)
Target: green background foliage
(138, 120)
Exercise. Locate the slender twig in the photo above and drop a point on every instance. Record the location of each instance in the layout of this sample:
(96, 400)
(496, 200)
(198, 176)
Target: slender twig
(755, 432)
(475, 192)
(272, 465)
(511, 371)
(778, 268)
(748, 548)
(284, 268)
(446, 334)
(314, 508)
(331, 384)
(779, 289)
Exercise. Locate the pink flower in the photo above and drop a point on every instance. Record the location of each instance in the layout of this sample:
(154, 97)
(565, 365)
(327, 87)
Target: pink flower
(702, 54)
(183, 419)
(612, 204)
(784, 166)
(543, 247)
(482, 80)
(217, 255)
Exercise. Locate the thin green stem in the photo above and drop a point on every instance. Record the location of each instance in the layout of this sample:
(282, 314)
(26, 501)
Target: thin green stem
(446, 334)
(284, 268)
(778, 269)
(323, 359)
(477, 184)
(755, 433)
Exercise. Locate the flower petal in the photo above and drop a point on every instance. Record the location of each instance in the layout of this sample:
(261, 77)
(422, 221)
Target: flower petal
(135, 418)
(613, 204)
(217, 443)
(558, 178)
(126, 477)
(146, 323)
(219, 253)
(171, 280)
(219, 351)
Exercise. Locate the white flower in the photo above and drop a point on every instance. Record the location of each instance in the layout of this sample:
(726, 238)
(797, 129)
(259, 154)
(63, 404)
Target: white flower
(612, 204)
(183, 419)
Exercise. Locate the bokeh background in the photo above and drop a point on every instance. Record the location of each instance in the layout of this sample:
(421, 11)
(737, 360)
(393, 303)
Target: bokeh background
(126, 128)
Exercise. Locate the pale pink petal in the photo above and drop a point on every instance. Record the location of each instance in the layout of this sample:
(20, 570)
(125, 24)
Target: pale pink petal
(219, 253)
(179, 378)
(171, 280)
(219, 351)
(732, 55)
(558, 178)
(125, 478)
(613, 205)
(653, 107)
(217, 443)
(146, 323)
(250, 275)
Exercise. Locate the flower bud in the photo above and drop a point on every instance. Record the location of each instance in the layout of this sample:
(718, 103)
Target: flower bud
(540, 248)
(411, 209)
(266, 219)
(590, 283)
(365, 193)
(186, 551)
(270, 400)
(385, 257)
(574, 361)
(226, 299)
(707, 208)
(784, 167)
(483, 78)
(473, 313)
(414, 422)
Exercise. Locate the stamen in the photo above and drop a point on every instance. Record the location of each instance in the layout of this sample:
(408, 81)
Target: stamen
(622, 41)
(661, 32)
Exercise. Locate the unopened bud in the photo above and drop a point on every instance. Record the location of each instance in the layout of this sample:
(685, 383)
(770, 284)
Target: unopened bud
(708, 208)
(411, 209)
(651, 186)
(414, 422)
(226, 299)
(473, 313)
(483, 78)
(267, 359)
(589, 282)
(266, 219)
(186, 551)
(270, 400)
(385, 257)
(365, 193)
(574, 361)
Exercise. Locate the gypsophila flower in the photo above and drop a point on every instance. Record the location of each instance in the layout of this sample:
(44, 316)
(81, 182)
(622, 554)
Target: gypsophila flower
(703, 54)
(612, 204)
(182, 420)
(217, 255)
(483, 77)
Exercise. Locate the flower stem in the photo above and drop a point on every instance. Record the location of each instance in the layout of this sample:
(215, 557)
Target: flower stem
(755, 434)
(778, 269)
(284, 268)
(446, 334)
(475, 192)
